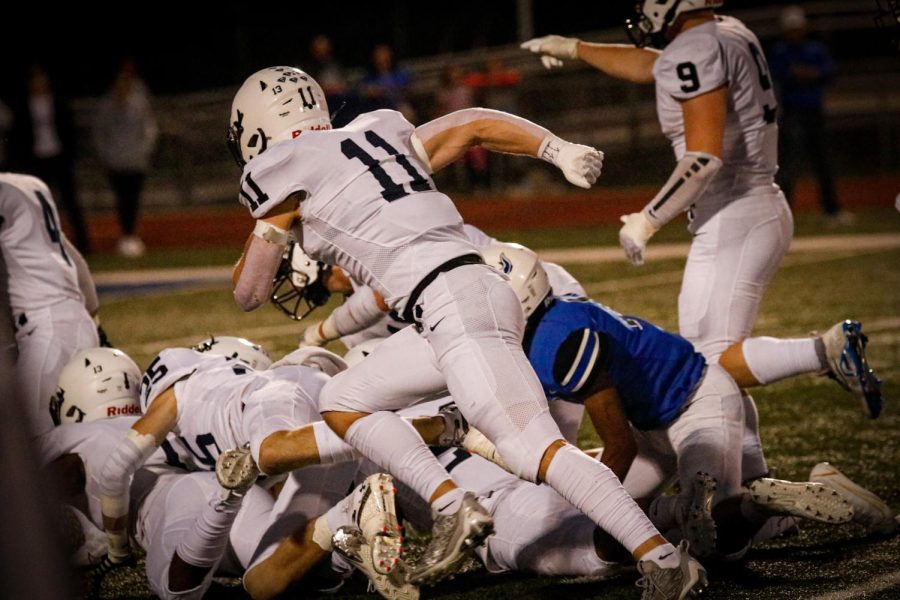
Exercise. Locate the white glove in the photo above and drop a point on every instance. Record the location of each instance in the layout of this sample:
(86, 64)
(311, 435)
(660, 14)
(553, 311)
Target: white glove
(634, 235)
(553, 48)
(580, 164)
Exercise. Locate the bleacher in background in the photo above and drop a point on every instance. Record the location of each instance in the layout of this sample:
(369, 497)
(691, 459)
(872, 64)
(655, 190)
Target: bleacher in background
(193, 166)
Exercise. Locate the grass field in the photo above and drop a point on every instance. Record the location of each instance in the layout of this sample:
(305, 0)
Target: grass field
(803, 421)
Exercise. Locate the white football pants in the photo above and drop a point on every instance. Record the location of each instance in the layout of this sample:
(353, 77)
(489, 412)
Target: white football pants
(734, 255)
(471, 344)
(47, 338)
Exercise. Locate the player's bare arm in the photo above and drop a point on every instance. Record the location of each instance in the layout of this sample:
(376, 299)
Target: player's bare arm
(444, 140)
(611, 424)
(622, 61)
(253, 274)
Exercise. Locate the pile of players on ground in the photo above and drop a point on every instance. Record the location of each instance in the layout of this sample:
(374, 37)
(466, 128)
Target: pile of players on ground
(276, 471)
(231, 471)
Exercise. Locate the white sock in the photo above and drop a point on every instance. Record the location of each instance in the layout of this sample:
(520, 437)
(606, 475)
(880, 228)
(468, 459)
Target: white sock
(395, 446)
(448, 503)
(332, 449)
(667, 512)
(666, 556)
(772, 359)
(205, 542)
(596, 491)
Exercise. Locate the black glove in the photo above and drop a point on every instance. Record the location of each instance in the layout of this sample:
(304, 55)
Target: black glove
(104, 340)
(95, 576)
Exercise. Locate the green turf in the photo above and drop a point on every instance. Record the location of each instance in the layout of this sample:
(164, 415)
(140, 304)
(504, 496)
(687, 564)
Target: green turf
(803, 421)
(867, 221)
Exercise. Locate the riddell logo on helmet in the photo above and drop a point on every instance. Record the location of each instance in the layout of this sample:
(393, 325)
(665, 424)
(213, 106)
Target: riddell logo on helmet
(122, 411)
(297, 132)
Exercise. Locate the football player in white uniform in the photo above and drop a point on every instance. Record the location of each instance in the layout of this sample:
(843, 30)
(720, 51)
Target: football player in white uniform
(360, 197)
(716, 105)
(51, 293)
(183, 520)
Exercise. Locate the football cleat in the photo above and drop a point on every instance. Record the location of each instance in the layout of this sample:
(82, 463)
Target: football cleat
(845, 349)
(869, 510)
(803, 499)
(698, 528)
(455, 426)
(349, 542)
(236, 470)
(375, 514)
(688, 579)
(453, 538)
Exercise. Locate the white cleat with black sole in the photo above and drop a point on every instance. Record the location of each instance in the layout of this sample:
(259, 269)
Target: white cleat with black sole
(803, 499)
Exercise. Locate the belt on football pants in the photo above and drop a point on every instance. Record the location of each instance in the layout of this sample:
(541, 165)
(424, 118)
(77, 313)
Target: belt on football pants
(465, 259)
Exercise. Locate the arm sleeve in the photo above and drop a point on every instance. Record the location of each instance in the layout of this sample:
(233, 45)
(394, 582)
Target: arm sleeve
(260, 264)
(358, 312)
(691, 68)
(690, 178)
(85, 281)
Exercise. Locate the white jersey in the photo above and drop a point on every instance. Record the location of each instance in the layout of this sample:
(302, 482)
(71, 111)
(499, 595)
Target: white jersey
(41, 273)
(561, 281)
(723, 52)
(216, 405)
(370, 206)
(94, 442)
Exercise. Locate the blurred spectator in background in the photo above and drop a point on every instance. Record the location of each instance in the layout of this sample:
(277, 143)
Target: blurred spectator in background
(125, 135)
(42, 143)
(498, 88)
(385, 85)
(452, 95)
(324, 68)
(802, 67)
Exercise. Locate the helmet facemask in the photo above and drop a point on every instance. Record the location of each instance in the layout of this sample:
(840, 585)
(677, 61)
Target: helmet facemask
(299, 286)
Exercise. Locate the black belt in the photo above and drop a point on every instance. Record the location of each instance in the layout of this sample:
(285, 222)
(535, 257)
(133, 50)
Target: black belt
(465, 259)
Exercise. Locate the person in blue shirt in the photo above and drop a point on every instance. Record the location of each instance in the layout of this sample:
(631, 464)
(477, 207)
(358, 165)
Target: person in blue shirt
(665, 414)
(802, 68)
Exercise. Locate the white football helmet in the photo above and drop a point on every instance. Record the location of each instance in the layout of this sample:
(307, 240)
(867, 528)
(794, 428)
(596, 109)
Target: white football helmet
(99, 383)
(273, 105)
(656, 16)
(525, 271)
(357, 353)
(238, 348)
(299, 280)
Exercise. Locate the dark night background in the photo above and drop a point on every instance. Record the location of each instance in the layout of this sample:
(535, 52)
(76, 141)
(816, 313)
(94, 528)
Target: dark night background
(179, 49)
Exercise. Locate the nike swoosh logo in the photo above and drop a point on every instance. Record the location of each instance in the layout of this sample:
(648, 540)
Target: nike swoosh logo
(449, 503)
(433, 327)
(665, 556)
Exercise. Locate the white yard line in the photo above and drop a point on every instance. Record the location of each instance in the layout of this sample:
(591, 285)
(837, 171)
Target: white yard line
(885, 582)
(825, 243)
(674, 276)
(569, 256)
